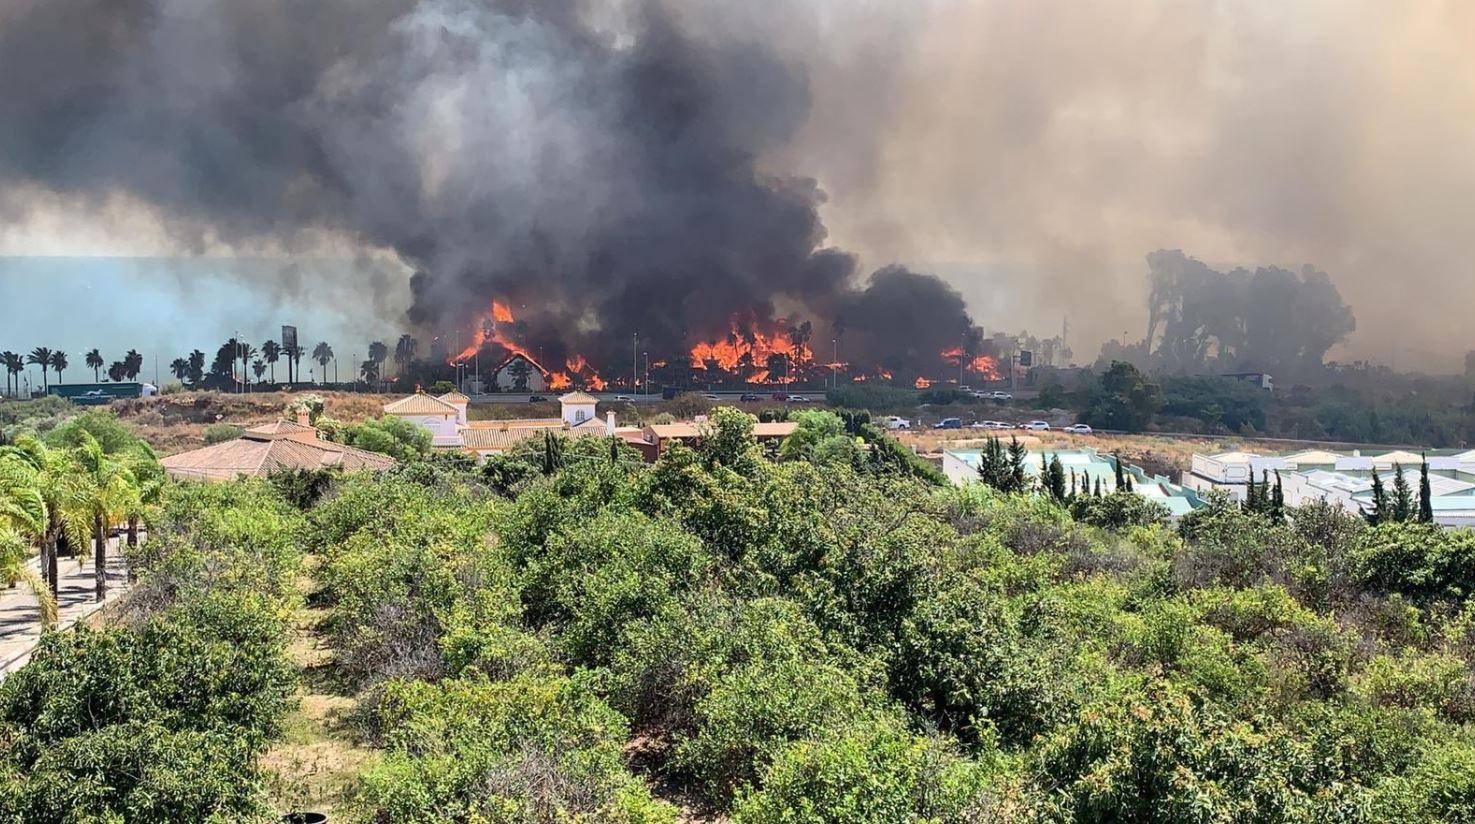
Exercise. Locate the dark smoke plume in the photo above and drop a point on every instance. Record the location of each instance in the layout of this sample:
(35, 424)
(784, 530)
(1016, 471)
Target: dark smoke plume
(595, 166)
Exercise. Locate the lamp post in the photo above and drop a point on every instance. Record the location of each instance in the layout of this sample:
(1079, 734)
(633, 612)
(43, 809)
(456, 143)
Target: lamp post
(835, 363)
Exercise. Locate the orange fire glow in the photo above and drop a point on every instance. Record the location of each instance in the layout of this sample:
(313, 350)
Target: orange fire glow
(501, 312)
(559, 380)
(923, 383)
(985, 366)
(748, 348)
(489, 332)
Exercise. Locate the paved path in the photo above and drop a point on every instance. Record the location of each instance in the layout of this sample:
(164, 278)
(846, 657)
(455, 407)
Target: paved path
(20, 618)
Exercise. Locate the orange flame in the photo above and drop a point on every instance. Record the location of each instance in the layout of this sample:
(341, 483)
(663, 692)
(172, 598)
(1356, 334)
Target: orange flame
(749, 348)
(984, 365)
(922, 383)
(559, 380)
(488, 332)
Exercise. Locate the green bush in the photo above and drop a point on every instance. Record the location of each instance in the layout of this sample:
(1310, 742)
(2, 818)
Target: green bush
(529, 749)
(222, 432)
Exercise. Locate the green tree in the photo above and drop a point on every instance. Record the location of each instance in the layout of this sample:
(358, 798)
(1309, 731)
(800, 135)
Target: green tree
(1379, 511)
(14, 364)
(1403, 500)
(95, 362)
(196, 367)
(520, 371)
(1056, 479)
(271, 352)
(58, 363)
(179, 367)
(1426, 495)
(132, 364)
(323, 354)
(1124, 399)
(41, 356)
(404, 352)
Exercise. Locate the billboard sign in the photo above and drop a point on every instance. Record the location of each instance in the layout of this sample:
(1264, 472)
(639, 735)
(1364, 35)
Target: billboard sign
(289, 337)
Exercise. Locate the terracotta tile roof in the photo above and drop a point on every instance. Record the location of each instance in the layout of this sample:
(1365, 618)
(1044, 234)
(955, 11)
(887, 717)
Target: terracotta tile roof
(776, 429)
(420, 404)
(453, 397)
(261, 456)
(282, 429)
(482, 440)
(577, 397)
(693, 429)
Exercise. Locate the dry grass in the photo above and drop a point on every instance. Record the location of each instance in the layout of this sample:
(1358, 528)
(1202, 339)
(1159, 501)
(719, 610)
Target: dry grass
(175, 423)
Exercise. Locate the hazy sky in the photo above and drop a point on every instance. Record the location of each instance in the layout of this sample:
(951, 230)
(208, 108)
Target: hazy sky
(1038, 150)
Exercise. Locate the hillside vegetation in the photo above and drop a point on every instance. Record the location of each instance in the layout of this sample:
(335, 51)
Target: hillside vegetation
(817, 635)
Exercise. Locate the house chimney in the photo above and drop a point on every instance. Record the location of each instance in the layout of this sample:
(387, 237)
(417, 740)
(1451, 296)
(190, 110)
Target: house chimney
(609, 423)
(302, 417)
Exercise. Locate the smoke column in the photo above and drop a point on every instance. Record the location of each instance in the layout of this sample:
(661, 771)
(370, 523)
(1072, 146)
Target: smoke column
(595, 166)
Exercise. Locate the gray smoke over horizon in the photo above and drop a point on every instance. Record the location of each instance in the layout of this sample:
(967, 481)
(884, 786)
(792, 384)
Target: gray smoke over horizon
(595, 166)
(639, 166)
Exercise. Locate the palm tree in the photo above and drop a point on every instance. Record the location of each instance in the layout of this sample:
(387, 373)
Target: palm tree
(13, 364)
(23, 521)
(58, 362)
(322, 353)
(404, 352)
(369, 371)
(246, 352)
(378, 353)
(118, 372)
(132, 364)
(42, 357)
(196, 367)
(271, 351)
(258, 368)
(95, 361)
(108, 489)
(64, 519)
(180, 368)
(294, 355)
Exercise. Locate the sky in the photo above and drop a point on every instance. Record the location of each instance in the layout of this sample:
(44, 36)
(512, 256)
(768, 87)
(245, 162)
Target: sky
(1030, 153)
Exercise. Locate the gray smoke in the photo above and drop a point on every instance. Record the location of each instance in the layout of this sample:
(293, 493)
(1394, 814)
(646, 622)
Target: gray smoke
(596, 166)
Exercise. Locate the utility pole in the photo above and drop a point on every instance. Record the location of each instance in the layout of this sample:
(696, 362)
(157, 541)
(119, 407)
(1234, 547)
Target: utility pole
(645, 381)
(635, 361)
(835, 363)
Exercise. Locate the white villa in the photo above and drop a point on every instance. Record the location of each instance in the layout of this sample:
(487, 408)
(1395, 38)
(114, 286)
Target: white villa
(445, 417)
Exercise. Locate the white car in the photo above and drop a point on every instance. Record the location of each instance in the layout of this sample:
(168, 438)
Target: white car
(625, 398)
(1036, 426)
(893, 422)
(798, 399)
(1001, 396)
(1078, 429)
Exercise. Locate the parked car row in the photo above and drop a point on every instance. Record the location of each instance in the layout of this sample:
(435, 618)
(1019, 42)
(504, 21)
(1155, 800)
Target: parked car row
(1032, 426)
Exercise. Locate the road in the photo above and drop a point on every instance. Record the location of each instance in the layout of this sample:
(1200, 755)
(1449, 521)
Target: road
(612, 397)
(20, 618)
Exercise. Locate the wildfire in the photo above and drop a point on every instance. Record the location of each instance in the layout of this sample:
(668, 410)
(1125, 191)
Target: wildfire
(984, 365)
(749, 348)
(922, 383)
(491, 330)
(488, 331)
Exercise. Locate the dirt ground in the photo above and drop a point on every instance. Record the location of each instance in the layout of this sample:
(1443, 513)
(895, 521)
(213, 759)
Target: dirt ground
(176, 423)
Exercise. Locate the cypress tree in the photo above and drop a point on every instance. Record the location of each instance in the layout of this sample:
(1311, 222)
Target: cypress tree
(1055, 476)
(1426, 502)
(1121, 476)
(1044, 473)
(1403, 498)
(1278, 500)
(1017, 453)
(1252, 503)
(1379, 511)
(1072, 484)
(1096, 493)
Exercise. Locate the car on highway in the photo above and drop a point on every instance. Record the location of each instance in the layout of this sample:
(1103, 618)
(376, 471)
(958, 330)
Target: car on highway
(625, 398)
(991, 425)
(1036, 426)
(780, 396)
(536, 399)
(1078, 429)
(949, 423)
(711, 396)
(893, 422)
(750, 397)
(798, 399)
(1001, 396)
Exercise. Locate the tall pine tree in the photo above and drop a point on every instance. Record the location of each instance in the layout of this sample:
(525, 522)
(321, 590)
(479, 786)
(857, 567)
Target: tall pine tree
(1017, 454)
(1403, 496)
(1278, 500)
(1426, 498)
(1055, 477)
(1379, 510)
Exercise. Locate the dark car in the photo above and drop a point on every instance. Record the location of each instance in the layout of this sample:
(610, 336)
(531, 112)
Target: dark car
(749, 397)
(949, 423)
(536, 399)
(780, 396)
